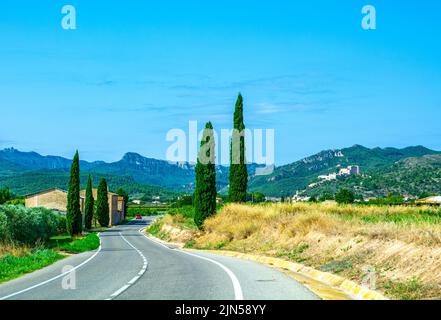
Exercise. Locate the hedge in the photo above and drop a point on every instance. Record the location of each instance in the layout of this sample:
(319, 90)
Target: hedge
(29, 225)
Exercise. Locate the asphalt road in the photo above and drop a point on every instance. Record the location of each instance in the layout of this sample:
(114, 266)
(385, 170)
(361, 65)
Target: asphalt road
(130, 266)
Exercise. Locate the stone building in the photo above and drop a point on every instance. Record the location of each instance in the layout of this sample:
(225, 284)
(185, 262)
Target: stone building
(53, 199)
(56, 199)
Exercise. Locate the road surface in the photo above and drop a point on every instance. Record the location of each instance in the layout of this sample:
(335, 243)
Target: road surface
(132, 267)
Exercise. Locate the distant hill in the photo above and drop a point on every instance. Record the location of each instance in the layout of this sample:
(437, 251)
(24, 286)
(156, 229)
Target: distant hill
(411, 170)
(35, 161)
(286, 180)
(416, 176)
(27, 172)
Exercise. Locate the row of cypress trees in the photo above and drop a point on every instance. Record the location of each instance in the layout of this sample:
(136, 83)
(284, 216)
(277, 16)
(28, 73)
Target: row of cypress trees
(205, 190)
(74, 218)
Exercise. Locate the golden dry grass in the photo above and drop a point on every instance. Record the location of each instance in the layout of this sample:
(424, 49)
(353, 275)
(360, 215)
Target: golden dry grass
(402, 244)
(7, 248)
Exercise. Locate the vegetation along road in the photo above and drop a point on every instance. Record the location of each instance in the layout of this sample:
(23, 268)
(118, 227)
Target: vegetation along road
(130, 266)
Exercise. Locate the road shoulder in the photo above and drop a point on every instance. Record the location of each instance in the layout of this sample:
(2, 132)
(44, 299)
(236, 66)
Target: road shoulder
(325, 285)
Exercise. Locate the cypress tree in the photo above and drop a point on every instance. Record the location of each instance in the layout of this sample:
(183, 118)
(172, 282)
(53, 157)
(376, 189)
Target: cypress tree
(88, 206)
(102, 204)
(238, 166)
(205, 191)
(74, 218)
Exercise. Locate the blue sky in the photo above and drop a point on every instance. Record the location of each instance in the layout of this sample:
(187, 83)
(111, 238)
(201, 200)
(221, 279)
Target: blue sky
(135, 69)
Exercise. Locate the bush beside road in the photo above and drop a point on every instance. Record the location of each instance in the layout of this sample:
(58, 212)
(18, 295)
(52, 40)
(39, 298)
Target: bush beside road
(33, 238)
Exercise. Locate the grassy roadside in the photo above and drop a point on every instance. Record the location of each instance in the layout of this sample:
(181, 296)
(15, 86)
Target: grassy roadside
(18, 260)
(399, 246)
(68, 244)
(12, 266)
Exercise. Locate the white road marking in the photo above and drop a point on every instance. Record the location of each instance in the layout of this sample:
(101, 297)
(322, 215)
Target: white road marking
(238, 294)
(120, 290)
(54, 278)
(134, 279)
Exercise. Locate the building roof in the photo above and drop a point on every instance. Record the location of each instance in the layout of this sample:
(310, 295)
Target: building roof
(44, 191)
(47, 191)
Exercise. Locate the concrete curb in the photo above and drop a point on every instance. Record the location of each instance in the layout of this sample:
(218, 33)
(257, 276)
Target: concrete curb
(348, 287)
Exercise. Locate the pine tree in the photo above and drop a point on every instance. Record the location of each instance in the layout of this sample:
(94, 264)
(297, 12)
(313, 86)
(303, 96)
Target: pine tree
(238, 166)
(74, 218)
(89, 205)
(102, 204)
(205, 191)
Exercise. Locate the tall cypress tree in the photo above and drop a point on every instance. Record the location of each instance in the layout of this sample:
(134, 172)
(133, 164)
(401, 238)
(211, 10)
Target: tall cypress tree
(205, 191)
(74, 218)
(102, 204)
(238, 166)
(88, 206)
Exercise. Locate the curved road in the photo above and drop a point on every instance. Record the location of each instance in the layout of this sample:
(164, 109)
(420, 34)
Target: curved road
(130, 266)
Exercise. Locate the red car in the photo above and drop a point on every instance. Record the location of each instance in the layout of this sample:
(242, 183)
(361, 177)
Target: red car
(138, 217)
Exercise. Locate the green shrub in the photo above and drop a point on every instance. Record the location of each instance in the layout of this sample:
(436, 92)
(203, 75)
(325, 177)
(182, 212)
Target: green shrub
(185, 211)
(145, 211)
(3, 226)
(61, 224)
(345, 196)
(27, 225)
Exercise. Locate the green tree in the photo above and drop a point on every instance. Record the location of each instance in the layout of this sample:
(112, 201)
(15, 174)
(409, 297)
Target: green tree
(122, 193)
(345, 196)
(205, 191)
(325, 197)
(74, 218)
(89, 205)
(5, 195)
(238, 167)
(256, 197)
(102, 204)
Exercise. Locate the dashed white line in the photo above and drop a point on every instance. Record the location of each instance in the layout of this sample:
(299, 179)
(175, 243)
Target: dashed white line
(238, 294)
(134, 279)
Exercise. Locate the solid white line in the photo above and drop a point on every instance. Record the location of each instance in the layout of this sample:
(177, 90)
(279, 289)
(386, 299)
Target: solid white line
(238, 294)
(134, 280)
(119, 291)
(154, 241)
(54, 278)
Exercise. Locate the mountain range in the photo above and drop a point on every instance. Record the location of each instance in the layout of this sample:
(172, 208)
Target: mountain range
(383, 170)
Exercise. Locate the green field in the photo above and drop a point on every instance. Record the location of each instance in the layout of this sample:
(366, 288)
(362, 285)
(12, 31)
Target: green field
(145, 210)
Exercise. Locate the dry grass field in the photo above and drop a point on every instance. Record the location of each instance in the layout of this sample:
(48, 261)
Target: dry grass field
(401, 246)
